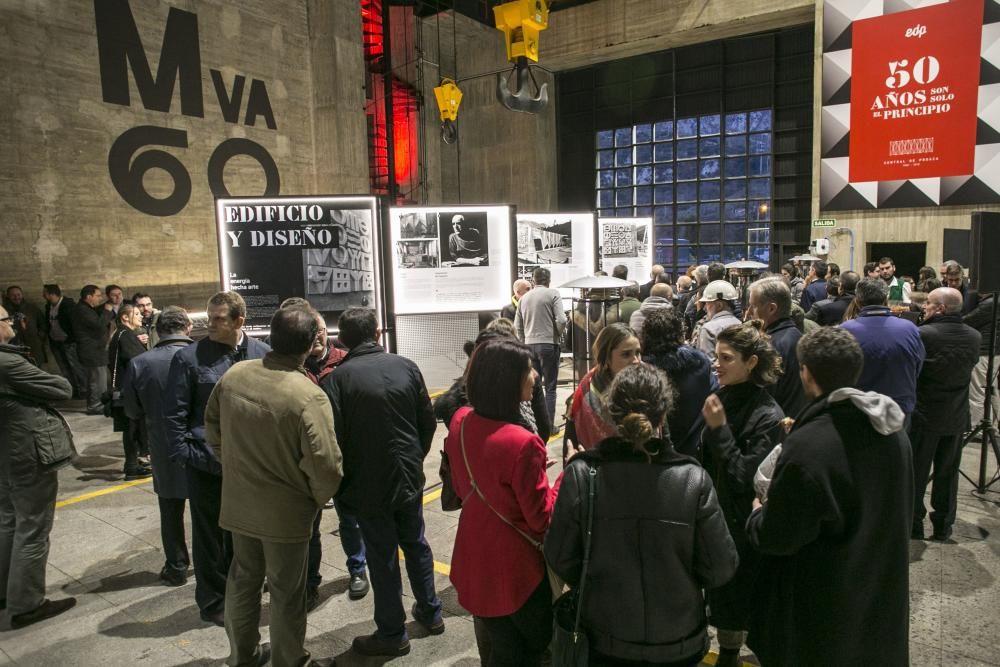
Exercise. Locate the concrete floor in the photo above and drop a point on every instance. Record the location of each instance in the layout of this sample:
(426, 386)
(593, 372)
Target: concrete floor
(105, 551)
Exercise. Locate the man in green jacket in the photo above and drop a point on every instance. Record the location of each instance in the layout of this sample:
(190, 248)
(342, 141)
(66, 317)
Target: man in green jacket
(34, 443)
(272, 429)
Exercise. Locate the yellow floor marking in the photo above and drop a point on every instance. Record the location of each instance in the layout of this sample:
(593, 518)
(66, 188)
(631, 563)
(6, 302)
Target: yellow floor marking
(102, 492)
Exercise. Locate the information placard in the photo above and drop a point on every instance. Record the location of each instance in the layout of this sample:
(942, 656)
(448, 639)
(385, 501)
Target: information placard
(323, 249)
(451, 259)
(563, 243)
(626, 241)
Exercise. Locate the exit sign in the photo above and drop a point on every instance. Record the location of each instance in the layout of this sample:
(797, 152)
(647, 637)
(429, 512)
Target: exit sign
(825, 222)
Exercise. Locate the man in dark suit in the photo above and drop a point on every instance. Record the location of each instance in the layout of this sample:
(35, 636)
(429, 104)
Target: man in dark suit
(816, 285)
(654, 275)
(59, 325)
(90, 325)
(830, 312)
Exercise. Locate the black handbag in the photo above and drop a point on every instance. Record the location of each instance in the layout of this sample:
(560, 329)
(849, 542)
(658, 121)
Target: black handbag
(112, 398)
(571, 646)
(450, 500)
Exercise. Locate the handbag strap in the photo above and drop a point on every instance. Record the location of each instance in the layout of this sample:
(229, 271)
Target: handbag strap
(591, 492)
(114, 371)
(475, 487)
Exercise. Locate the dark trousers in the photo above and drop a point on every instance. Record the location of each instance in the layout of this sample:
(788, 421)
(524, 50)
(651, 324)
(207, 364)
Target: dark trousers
(944, 452)
(384, 535)
(26, 514)
(175, 551)
(350, 540)
(69, 365)
(97, 384)
(520, 638)
(211, 545)
(548, 354)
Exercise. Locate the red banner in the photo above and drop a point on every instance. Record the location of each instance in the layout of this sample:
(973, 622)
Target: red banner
(914, 90)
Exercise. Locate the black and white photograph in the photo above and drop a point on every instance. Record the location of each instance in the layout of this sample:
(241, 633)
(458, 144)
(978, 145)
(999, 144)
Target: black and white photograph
(415, 225)
(340, 278)
(464, 239)
(417, 254)
(621, 239)
(541, 243)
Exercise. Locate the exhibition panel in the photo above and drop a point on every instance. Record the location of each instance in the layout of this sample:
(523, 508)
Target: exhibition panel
(324, 249)
(563, 243)
(626, 241)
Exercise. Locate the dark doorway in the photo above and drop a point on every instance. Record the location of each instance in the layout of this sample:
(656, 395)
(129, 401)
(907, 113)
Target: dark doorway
(908, 257)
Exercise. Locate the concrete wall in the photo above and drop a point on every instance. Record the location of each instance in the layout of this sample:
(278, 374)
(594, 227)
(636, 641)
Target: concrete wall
(63, 220)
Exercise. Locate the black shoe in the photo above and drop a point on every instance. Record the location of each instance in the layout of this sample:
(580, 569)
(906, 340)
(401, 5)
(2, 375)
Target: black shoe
(312, 599)
(941, 535)
(218, 618)
(47, 609)
(372, 645)
(917, 534)
(264, 656)
(432, 628)
(138, 473)
(94, 411)
(728, 659)
(171, 577)
(359, 586)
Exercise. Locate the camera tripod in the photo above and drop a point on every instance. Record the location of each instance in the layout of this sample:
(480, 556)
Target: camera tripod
(985, 428)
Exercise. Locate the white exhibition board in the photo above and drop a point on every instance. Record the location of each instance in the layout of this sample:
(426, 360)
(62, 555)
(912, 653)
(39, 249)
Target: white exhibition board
(563, 243)
(451, 259)
(627, 241)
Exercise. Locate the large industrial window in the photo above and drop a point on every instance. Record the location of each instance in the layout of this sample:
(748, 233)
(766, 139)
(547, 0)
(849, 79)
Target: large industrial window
(705, 180)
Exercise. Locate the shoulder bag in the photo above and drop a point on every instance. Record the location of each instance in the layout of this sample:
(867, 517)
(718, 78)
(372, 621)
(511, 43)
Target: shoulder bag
(112, 398)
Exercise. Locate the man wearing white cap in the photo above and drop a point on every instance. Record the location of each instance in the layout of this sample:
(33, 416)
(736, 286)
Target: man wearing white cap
(719, 298)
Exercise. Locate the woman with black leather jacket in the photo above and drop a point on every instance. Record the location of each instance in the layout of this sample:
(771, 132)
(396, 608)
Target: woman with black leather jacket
(658, 538)
(124, 347)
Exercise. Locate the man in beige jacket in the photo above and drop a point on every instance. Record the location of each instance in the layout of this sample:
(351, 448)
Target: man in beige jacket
(272, 429)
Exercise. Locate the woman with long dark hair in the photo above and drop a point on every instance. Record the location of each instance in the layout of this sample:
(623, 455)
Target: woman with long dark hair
(658, 537)
(498, 469)
(124, 347)
(742, 425)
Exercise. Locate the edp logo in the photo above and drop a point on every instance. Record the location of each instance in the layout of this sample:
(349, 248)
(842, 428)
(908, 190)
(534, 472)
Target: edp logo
(917, 31)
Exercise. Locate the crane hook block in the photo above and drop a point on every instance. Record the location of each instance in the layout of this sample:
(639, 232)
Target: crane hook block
(448, 97)
(520, 22)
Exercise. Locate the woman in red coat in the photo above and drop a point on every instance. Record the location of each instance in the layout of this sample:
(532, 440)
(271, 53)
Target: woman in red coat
(498, 469)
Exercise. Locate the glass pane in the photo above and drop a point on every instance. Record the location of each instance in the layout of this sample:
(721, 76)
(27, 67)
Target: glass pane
(734, 253)
(687, 171)
(710, 212)
(759, 210)
(710, 168)
(663, 173)
(760, 143)
(605, 159)
(686, 233)
(605, 178)
(760, 120)
(687, 127)
(709, 191)
(736, 123)
(687, 255)
(645, 211)
(623, 157)
(643, 133)
(606, 139)
(760, 165)
(687, 149)
(663, 214)
(605, 213)
(643, 197)
(623, 136)
(663, 152)
(605, 198)
(687, 213)
(760, 188)
(665, 255)
(663, 194)
(644, 154)
(710, 147)
(736, 211)
(709, 253)
(735, 167)
(735, 233)
(625, 212)
(736, 188)
(623, 197)
(760, 253)
(709, 233)
(664, 233)
(623, 178)
(663, 131)
(643, 175)
(708, 125)
(687, 192)
(759, 234)
(736, 145)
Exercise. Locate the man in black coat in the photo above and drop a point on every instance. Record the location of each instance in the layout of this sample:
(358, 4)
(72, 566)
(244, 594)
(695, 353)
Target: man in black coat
(194, 372)
(385, 424)
(816, 285)
(834, 589)
(831, 312)
(143, 391)
(771, 301)
(942, 411)
(90, 326)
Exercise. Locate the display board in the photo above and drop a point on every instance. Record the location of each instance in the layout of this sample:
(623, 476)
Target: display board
(911, 104)
(563, 243)
(627, 241)
(451, 259)
(323, 249)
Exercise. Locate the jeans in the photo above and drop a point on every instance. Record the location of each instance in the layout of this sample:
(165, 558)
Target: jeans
(26, 514)
(548, 355)
(945, 453)
(385, 533)
(175, 551)
(350, 540)
(211, 545)
(69, 365)
(284, 565)
(519, 638)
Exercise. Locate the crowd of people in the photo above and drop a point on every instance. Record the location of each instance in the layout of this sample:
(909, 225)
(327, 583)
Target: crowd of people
(747, 457)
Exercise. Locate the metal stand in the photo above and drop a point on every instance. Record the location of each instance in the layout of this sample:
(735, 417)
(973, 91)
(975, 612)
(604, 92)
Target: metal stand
(985, 427)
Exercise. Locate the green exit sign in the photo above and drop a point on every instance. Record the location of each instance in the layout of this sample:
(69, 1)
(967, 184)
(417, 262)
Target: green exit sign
(825, 222)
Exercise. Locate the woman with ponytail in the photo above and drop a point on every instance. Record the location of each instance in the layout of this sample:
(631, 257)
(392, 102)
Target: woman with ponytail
(742, 425)
(658, 534)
